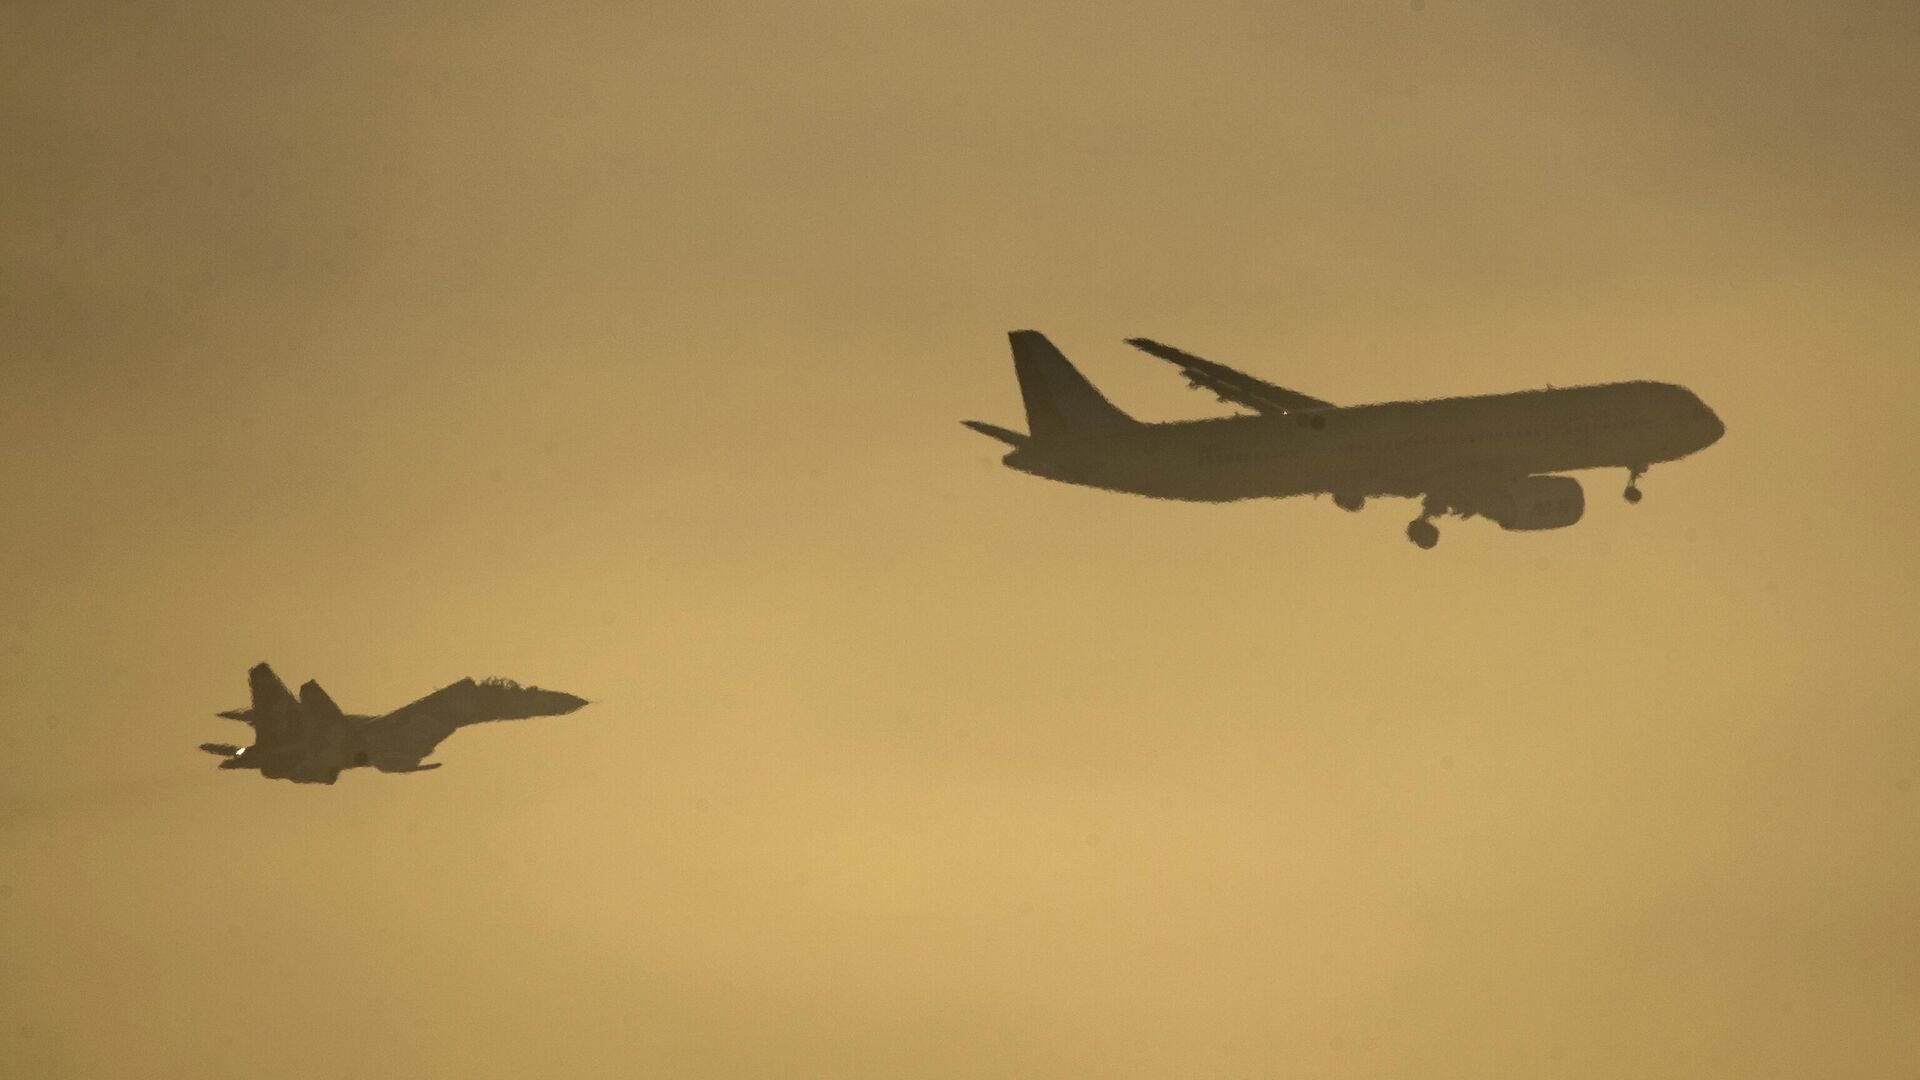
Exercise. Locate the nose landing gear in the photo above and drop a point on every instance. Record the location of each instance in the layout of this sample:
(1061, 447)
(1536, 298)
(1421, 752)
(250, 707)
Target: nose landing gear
(1632, 494)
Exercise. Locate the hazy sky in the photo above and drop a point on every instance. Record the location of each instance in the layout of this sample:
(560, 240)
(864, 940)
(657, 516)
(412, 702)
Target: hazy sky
(621, 348)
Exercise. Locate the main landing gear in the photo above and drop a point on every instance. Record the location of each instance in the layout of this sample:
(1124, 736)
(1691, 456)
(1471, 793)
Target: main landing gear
(1634, 474)
(1423, 532)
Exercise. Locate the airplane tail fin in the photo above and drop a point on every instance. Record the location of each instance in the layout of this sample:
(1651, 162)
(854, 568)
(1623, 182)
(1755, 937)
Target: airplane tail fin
(270, 695)
(1060, 402)
(316, 701)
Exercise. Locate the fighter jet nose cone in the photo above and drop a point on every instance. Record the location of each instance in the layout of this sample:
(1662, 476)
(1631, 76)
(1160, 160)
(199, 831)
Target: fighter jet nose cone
(558, 703)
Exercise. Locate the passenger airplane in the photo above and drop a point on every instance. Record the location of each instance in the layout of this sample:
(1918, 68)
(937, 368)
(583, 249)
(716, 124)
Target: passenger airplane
(1491, 455)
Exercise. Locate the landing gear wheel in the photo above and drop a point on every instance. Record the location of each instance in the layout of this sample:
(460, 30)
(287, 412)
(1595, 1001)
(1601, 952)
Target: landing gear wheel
(1423, 533)
(1632, 494)
(1633, 483)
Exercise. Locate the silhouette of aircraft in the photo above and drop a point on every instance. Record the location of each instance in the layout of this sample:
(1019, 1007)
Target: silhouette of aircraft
(308, 740)
(1491, 455)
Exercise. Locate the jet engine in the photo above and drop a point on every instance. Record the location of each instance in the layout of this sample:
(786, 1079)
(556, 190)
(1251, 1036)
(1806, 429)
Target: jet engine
(1536, 502)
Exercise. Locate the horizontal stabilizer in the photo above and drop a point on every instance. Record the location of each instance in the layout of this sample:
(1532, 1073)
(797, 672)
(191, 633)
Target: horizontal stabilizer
(1011, 438)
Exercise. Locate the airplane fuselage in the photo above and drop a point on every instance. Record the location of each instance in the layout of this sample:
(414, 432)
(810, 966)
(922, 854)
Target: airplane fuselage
(328, 750)
(1390, 448)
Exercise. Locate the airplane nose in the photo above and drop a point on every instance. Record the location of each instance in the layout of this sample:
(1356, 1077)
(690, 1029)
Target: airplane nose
(1713, 425)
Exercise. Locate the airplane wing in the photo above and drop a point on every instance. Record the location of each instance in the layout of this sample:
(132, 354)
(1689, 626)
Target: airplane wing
(416, 728)
(411, 735)
(1232, 386)
(1462, 487)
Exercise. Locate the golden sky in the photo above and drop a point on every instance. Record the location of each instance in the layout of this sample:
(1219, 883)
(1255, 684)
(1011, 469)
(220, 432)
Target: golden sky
(621, 348)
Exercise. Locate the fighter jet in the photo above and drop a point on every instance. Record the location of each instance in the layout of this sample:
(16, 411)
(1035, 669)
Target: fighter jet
(308, 740)
(1492, 455)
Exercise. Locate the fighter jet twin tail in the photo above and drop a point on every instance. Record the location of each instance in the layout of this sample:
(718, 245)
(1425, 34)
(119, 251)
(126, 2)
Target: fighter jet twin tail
(308, 740)
(1493, 455)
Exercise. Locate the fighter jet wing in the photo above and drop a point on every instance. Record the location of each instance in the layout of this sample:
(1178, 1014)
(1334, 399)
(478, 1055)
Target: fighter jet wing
(1232, 386)
(420, 726)
(410, 734)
